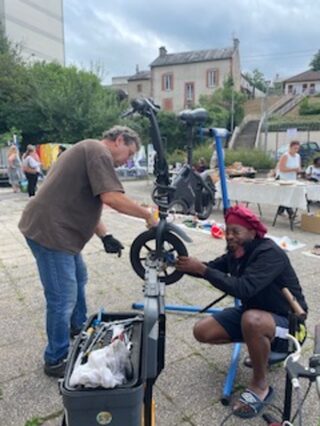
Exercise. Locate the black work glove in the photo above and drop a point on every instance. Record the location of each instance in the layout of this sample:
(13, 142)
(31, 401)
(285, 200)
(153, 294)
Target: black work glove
(112, 245)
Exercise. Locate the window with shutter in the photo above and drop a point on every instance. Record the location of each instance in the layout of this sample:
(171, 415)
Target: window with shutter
(189, 94)
(167, 82)
(212, 78)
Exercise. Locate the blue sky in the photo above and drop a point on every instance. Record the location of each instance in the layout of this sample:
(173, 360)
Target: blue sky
(277, 37)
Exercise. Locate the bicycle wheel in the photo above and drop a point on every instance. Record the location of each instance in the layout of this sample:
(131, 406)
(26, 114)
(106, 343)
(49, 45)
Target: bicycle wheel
(144, 248)
(207, 202)
(178, 206)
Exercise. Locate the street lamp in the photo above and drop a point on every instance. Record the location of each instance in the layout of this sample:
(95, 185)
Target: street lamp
(266, 116)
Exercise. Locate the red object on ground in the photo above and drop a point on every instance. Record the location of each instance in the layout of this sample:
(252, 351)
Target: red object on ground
(217, 232)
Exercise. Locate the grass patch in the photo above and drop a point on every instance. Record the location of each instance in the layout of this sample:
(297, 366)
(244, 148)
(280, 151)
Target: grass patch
(39, 421)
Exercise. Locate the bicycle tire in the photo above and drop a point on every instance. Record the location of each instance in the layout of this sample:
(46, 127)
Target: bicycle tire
(169, 275)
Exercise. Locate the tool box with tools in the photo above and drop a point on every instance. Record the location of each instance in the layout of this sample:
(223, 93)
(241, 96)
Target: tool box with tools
(94, 406)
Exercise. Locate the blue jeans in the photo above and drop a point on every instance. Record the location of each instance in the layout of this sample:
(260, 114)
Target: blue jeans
(63, 277)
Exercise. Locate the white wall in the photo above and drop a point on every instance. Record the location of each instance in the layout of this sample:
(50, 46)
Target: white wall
(297, 88)
(38, 26)
(133, 88)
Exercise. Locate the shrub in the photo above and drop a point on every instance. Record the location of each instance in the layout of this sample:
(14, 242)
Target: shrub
(253, 158)
(202, 151)
(306, 123)
(177, 156)
(309, 109)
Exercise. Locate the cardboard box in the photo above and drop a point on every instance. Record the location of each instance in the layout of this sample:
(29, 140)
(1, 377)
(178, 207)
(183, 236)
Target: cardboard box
(310, 223)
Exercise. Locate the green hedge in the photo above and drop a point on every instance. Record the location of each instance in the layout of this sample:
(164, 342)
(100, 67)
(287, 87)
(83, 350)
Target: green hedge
(304, 125)
(306, 108)
(252, 158)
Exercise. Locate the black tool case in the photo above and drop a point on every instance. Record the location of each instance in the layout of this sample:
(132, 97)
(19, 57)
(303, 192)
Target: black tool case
(119, 406)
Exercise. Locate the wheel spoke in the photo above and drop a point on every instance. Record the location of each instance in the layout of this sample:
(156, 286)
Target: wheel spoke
(147, 247)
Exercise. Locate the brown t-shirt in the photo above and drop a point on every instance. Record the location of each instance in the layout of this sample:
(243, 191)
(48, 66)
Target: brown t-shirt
(64, 213)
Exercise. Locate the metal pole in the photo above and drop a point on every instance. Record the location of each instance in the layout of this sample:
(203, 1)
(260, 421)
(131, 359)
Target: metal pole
(232, 110)
(266, 119)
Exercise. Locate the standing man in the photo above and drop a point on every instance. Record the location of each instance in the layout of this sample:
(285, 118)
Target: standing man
(254, 270)
(63, 217)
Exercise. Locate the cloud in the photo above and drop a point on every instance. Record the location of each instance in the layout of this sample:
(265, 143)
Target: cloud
(275, 36)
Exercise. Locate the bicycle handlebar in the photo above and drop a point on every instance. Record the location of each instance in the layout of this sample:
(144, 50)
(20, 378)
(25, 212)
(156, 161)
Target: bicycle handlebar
(296, 370)
(142, 106)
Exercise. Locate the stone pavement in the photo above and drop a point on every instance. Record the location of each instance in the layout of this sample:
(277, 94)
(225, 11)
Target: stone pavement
(187, 392)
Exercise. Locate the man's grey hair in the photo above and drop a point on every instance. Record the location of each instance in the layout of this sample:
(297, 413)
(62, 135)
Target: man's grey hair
(129, 135)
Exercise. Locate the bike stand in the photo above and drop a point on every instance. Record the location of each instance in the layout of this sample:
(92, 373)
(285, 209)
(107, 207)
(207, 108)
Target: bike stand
(153, 340)
(229, 381)
(218, 135)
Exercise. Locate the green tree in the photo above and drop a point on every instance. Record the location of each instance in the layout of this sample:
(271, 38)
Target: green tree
(219, 106)
(172, 130)
(257, 79)
(51, 103)
(14, 89)
(67, 105)
(315, 63)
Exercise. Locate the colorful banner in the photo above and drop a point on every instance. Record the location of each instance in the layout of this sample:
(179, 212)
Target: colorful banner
(48, 153)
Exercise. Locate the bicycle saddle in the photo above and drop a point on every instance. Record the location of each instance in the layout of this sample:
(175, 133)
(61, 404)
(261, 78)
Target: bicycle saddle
(195, 116)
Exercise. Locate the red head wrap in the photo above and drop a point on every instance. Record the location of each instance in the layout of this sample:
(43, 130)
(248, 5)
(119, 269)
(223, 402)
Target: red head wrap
(241, 215)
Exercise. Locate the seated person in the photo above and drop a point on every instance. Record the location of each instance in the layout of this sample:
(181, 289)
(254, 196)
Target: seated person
(201, 165)
(313, 171)
(253, 269)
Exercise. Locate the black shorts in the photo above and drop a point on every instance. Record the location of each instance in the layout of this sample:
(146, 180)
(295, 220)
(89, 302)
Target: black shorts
(230, 320)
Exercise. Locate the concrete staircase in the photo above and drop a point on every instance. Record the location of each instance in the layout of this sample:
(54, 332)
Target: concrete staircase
(247, 136)
(248, 133)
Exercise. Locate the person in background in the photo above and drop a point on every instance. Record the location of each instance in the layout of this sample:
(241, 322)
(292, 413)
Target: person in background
(253, 269)
(31, 166)
(63, 217)
(313, 171)
(15, 172)
(61, 149)
(288, 168)
(201, 165)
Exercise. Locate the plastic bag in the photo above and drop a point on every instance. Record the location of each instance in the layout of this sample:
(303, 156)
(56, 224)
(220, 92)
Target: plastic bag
(105, 367)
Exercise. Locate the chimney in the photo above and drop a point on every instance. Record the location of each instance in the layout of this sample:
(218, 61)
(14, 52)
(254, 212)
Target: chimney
(162, 51)
(236, 43)
(137, 68)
